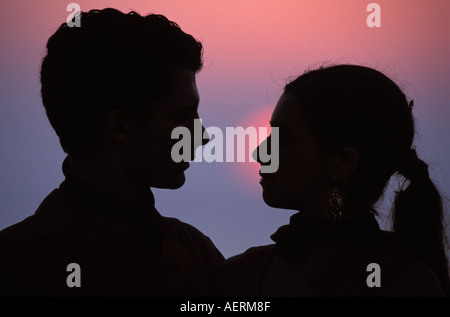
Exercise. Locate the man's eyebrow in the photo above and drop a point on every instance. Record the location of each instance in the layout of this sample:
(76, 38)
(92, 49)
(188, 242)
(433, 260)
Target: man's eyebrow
(190, 105)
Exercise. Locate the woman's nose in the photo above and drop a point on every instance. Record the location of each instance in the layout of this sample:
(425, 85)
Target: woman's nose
(256, 156)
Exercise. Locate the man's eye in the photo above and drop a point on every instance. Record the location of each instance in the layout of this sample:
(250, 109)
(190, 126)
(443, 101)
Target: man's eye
(187, 113)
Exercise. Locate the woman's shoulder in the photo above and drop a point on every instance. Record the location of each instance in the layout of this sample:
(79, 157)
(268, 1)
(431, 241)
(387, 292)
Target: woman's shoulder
(414, 280)
(401, 274)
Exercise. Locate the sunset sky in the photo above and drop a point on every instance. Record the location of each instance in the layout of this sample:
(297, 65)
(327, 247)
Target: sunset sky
(251, 49)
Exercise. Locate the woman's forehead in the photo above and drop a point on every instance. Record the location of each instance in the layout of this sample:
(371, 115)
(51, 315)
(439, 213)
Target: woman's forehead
(287, 110)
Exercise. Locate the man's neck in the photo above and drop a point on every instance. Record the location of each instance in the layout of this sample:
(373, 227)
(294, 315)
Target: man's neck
(107, 176)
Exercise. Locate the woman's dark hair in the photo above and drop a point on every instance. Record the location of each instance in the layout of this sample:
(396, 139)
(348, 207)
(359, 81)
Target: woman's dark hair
(350, 105)
(112, 61)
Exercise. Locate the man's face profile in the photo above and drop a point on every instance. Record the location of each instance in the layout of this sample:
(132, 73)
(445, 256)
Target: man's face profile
(150, 148)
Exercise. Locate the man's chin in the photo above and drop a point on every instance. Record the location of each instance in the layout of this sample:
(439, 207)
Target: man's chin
(173, 182)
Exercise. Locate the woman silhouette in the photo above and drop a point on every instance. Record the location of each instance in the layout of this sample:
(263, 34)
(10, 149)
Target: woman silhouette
(344, 131)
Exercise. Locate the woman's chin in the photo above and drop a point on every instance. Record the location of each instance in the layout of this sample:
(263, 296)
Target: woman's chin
(274, 200)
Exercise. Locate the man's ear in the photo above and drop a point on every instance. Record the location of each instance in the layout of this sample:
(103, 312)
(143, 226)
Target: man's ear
(344, 163)
(118, 126)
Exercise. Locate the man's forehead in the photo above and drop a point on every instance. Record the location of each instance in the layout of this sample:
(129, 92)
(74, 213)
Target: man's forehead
(183, 84)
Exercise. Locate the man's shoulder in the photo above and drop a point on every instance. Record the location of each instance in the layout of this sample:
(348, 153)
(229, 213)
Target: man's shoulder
(29, 229)
(248, 263)
(250, 257)
(177, 227)
(23, 230)
(188, 235)
(239, 274)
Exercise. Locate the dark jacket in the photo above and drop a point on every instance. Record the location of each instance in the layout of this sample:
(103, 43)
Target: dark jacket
(316, 258)
(121, 250)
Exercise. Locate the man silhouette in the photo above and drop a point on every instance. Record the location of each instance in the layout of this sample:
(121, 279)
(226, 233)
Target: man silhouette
(113, 90)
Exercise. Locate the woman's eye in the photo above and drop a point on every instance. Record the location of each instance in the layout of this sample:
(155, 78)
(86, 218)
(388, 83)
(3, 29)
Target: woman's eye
(285, 138)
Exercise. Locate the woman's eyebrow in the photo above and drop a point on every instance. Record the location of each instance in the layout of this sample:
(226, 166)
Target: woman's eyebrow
(282, 126)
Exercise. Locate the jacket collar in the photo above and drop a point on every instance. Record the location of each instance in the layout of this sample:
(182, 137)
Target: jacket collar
(76, 212)
(331, 244)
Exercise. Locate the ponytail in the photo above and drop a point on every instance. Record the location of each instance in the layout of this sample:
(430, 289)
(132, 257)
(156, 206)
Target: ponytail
(418, 218)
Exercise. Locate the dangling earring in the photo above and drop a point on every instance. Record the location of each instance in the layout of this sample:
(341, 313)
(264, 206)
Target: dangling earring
(336, 205)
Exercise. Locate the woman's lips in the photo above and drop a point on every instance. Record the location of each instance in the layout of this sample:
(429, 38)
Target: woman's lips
(265, 178)
(266, 175)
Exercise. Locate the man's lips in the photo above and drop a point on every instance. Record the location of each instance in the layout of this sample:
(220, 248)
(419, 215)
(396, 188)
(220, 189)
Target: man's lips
(184, 165)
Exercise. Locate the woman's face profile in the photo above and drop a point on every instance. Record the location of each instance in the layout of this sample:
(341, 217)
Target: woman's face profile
(302, 176)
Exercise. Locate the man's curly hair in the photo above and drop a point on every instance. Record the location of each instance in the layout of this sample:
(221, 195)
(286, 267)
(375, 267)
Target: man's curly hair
(113, 61)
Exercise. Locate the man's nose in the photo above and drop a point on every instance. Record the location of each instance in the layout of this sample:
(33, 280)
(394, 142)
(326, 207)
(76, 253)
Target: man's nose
(199, 136)
(206, 137)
